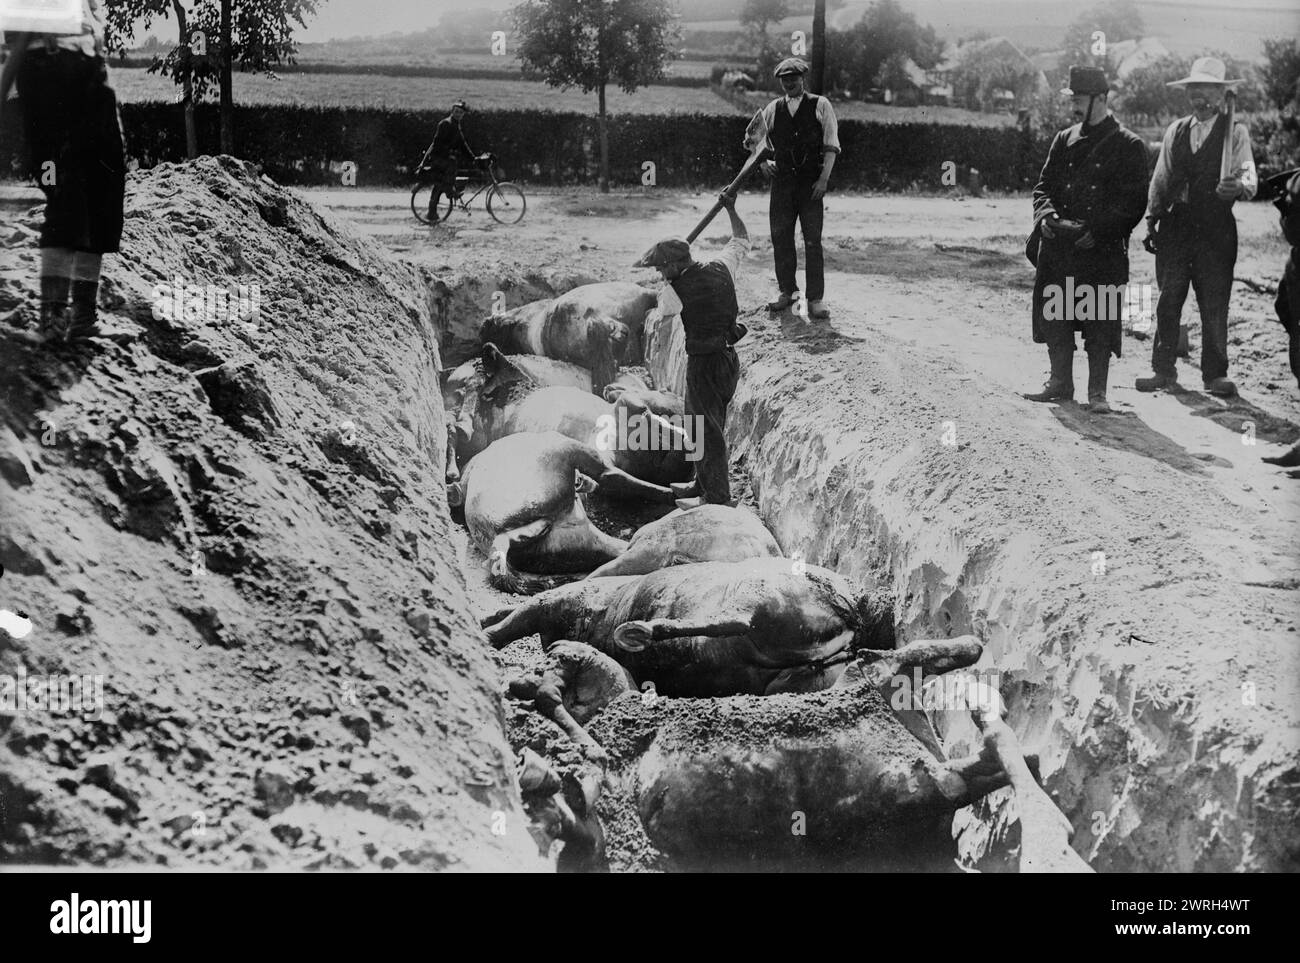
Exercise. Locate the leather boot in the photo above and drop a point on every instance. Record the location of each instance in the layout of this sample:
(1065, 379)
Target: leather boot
(1060, 385)
(1098, 368)
(54, 308)
(85, 310)
(688, 489)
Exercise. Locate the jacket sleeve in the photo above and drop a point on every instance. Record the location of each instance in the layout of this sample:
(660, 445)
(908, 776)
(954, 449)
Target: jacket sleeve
(1049, 181)
(1126, 192)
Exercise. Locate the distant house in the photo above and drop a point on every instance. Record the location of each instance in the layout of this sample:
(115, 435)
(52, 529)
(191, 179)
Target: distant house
(737, 80)
(909, 85)
(1122, 57)
(1130, 55)
(993, 74)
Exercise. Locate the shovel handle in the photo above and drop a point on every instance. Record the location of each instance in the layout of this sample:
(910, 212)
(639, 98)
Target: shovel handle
(731, 188)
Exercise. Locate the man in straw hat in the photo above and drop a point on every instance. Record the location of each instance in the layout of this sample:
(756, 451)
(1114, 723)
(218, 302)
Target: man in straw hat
(1191, 227)
(803, 134)
(1090, 196)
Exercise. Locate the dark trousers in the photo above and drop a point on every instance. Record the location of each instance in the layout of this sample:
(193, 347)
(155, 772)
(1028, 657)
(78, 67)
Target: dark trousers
(75, 150)
(1287, 306)
(442, 173)
(1199, 255)
(710, 383)
(792, 200)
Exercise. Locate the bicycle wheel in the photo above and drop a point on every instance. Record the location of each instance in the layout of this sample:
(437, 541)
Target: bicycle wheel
(506, 203)
(421, 194)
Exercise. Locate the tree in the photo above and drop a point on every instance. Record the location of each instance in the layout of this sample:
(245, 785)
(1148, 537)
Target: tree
(989, 65)
(1117, 20)
(592, 43)
(178, 64)
(1280, 75)
(859, 52)
(758, 14)
(214, 36)
(1145, 91)
(893, 73)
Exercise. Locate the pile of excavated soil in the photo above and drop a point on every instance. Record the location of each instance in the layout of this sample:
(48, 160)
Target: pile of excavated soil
(242, 528)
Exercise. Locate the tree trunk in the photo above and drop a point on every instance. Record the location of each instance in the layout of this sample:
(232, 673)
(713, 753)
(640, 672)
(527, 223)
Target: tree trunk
(227, 91)
(604, 142)
(818, 79)
(187, 85)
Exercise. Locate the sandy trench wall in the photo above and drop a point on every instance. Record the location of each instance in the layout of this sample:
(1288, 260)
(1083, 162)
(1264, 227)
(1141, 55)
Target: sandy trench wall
(242, 529)
(1147, 746)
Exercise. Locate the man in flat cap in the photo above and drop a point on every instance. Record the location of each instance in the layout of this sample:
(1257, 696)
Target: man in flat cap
(1090, 196)
(1192, 229)
(801, 130)
(440, 159)
(704, 294)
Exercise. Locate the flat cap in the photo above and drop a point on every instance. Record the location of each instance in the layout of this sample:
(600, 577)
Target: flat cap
(667, 251)
(790, 65)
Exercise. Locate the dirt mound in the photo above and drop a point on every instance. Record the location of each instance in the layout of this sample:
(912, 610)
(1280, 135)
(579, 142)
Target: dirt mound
(238, 522)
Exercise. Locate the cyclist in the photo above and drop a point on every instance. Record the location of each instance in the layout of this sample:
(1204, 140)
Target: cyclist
(440, 159)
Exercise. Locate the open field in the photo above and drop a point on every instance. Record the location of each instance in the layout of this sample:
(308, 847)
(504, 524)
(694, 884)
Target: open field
(321, 54)
(426, 93)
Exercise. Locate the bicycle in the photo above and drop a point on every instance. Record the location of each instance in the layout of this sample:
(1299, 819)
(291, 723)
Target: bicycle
(505, 200)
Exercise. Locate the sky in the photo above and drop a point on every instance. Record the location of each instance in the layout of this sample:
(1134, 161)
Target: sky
(359, 18)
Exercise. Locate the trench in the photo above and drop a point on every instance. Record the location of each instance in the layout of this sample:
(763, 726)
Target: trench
(1154, 772)
(983, 836)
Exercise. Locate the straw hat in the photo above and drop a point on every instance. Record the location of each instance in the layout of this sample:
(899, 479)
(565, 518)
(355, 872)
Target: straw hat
(1206, 70)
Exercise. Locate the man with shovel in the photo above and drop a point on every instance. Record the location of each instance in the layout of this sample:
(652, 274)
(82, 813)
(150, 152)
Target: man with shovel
(704, 295)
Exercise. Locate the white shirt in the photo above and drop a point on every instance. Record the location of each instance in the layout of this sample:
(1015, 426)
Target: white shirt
(760, 128)
(1243, 161)
(90, 41)
(732, 255)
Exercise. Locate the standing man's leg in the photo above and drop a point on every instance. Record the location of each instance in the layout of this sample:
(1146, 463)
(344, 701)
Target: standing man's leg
(710, 384)
(440, 186)
(1287, 306)
(781, 213)
(1212, 267)
(811, 217)
(1174, 277)
(1056, 333)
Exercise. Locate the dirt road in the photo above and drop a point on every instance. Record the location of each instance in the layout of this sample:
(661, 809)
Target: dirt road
(945, 273)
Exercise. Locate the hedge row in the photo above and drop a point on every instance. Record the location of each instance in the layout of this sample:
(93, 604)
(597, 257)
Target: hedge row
(308, 145)
(413, 70)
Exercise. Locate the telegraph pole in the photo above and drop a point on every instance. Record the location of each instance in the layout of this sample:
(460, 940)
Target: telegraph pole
(818, 85)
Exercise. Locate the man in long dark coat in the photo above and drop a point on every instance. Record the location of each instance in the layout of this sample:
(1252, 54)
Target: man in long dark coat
(1287, 305)
(1091, 194)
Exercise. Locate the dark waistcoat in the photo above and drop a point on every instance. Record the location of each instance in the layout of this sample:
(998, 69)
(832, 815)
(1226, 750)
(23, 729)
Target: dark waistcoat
(709, 307)
(1200, 171)
(797, 140)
